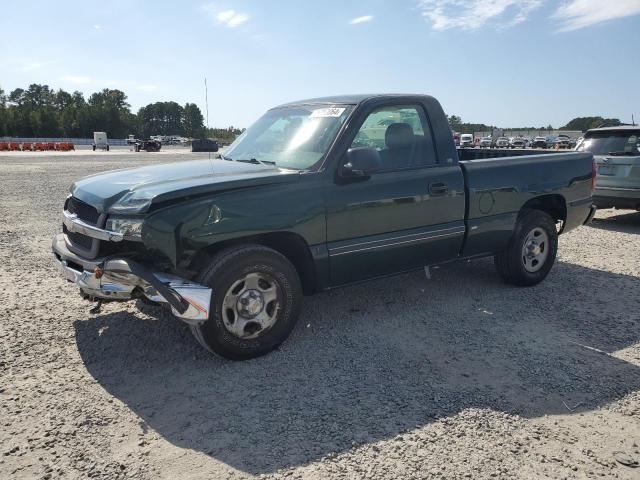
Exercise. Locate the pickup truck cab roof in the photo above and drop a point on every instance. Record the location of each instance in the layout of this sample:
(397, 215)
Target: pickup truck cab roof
(347, 99)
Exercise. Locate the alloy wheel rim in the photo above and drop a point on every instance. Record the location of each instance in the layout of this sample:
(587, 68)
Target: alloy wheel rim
(251, 305)
(535, 250)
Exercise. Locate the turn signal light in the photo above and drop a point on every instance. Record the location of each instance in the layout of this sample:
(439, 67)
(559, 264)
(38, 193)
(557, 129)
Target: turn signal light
(98, 272)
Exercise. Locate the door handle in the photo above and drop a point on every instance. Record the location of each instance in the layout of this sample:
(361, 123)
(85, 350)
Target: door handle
(438, 188)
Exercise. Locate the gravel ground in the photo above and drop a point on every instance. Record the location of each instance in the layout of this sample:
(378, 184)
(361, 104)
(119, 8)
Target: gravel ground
(459, 376)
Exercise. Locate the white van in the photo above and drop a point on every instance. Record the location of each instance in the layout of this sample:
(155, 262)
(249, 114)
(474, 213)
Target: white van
(466, 140)
(100, 141)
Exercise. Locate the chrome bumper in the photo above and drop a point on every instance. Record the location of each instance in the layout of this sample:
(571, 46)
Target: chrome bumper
(123, 279)
(74, 224)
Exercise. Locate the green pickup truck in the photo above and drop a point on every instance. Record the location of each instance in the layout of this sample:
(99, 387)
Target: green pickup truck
(315, 195)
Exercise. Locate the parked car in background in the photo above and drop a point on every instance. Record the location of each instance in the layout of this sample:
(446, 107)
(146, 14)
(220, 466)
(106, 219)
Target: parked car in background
(502, 142)
(617, 154)
(550, 139)
(539, 142)
(205, 145)
(485, 142)
(562, 142)
(466, 140)
(518, 142)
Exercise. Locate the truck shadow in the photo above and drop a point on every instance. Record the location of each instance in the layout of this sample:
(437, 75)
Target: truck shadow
(373, 361)
(624, 223)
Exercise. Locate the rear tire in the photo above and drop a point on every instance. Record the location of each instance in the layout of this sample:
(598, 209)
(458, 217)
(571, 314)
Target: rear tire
(531, 252)
(247, 279)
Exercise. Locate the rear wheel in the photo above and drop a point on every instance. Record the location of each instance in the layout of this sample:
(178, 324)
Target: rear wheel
(532, 250)
(255, 303)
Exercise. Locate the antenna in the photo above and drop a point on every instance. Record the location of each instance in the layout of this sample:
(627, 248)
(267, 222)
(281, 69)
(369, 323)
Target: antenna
(206, 100)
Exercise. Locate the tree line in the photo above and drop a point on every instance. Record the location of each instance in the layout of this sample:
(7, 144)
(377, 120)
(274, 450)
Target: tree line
(580, 123)
(40, 111)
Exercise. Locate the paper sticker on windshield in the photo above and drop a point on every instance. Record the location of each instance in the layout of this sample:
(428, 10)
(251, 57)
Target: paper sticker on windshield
(327, 112)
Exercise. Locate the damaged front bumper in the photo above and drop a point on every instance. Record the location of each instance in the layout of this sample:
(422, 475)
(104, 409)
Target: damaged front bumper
(122, 279)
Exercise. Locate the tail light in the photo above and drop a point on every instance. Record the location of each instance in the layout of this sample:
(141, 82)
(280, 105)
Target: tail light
(593, 175)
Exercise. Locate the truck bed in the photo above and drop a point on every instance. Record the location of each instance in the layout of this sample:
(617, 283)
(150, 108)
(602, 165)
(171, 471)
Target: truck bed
(482, 153)
(498, 187)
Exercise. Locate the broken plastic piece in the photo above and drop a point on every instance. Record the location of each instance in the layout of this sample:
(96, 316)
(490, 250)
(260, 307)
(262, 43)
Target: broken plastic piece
(97, 308)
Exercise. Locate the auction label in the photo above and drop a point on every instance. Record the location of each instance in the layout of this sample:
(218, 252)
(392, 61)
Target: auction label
(327, 112)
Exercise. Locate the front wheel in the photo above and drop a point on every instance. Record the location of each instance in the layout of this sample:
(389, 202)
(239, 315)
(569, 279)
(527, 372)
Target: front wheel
(255, 303)
(531, 252)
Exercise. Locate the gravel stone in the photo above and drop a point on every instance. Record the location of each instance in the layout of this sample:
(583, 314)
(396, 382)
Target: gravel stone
(460, 376)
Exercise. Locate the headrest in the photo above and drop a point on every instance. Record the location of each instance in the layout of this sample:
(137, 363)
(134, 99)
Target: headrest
(399, 135)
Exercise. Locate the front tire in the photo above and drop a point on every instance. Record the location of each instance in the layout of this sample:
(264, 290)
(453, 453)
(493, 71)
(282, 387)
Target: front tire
(531, 252)
(255, 303)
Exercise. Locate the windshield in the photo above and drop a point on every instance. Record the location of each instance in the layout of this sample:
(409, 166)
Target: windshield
(607, 143)
(290, 137)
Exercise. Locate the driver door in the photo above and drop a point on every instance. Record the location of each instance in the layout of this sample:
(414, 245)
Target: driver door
(408, 214)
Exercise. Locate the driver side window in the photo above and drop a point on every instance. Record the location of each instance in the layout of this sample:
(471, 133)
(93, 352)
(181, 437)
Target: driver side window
(401, 135)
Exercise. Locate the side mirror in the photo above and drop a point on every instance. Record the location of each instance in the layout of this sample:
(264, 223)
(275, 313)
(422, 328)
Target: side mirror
(361, 162)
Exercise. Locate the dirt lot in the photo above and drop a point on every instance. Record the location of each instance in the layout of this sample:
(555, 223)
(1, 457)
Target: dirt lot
(460, 376)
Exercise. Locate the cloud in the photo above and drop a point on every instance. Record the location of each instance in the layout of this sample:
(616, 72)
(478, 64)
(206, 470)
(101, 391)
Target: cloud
(576, 14)
(363, 19)
(78, 80)
(147, 88)
(27, 65)
(97, 27)
(231, 18)
(473, 14)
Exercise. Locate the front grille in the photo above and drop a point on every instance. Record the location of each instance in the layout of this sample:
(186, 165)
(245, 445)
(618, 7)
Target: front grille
(78, 239)
(85, 212)
(81, 244)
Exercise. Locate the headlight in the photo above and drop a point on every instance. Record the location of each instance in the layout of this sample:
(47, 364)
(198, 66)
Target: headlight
(131, 203)
(131, 228)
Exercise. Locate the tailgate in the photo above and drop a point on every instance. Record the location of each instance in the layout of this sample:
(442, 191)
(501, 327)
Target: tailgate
(618, 171)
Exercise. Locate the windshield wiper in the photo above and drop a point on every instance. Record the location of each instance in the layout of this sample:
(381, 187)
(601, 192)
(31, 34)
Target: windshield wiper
(624, 154)
(255, 161)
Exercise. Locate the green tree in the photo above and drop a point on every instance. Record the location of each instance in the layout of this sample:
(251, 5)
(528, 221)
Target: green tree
(224, 135)
(454, 122)
(585, 123)
(3, 113)
(192, 121)
(109, 111)
(161, 118)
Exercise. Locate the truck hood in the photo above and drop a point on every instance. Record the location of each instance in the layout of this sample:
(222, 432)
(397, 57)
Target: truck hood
(135, 190)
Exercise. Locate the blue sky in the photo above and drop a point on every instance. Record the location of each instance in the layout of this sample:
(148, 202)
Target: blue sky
(503, 62)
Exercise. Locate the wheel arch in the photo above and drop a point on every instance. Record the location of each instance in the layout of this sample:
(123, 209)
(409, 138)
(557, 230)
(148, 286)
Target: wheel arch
(554, 205)
(293, 246)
